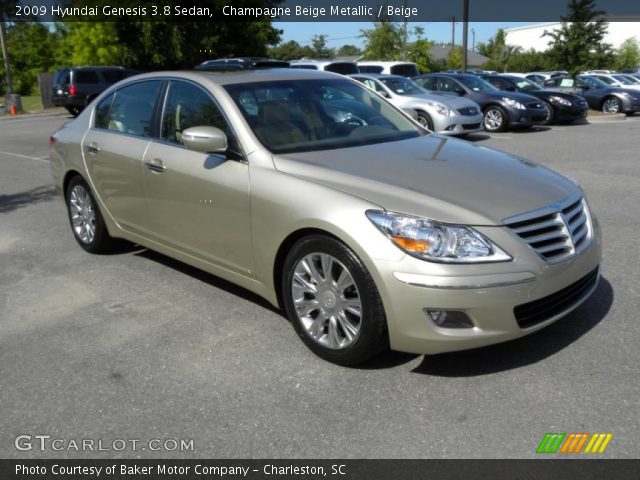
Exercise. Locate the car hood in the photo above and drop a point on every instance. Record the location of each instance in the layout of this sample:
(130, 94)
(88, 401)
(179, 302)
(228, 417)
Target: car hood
(438, 177)
(448, 100)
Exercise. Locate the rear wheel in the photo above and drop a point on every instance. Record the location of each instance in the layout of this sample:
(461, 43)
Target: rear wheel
(75, 111)
(332, 301)
(495, 119)
(612, 105)
(86, 220)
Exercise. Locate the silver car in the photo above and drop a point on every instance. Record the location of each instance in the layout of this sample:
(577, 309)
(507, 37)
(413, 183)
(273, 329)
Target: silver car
(439, 113)
(312, 191)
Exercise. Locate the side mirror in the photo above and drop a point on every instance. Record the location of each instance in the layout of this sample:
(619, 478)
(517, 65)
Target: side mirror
(460, 92)
(205, 139)
(510, 88)
(385, 94)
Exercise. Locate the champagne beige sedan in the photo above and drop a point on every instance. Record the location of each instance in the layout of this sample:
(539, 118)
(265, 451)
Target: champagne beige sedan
(315, 193)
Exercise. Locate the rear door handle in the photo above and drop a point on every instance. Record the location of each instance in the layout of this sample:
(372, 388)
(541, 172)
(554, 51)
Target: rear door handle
(155, 165)
(92, 148)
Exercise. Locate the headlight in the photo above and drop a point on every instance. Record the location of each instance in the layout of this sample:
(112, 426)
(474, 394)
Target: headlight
(435, 241)
(560, 100)
(513, 103)
(441, 109)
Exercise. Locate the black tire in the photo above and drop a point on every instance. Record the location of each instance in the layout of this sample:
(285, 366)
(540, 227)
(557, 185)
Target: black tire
(101, 241)
(372, 337)
(75, 111)
(498, 111)
(425, 120)
(552, 114)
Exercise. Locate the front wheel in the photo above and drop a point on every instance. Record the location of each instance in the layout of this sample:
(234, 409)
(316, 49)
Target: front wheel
(425, 121)
(552, 114)
(495, 119)
(332, 301)
(612, 105)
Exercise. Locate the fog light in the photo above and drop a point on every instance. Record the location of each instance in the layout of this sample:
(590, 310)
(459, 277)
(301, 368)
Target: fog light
(449, 318)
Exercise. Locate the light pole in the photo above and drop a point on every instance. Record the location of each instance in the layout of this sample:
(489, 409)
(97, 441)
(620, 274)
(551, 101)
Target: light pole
(465, 34)
(473, 41)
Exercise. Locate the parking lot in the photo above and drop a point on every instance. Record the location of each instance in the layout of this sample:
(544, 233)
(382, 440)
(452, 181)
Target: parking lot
(135, 345)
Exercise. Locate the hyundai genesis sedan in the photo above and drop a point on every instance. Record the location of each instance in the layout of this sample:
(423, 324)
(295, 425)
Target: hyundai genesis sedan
(315, 193)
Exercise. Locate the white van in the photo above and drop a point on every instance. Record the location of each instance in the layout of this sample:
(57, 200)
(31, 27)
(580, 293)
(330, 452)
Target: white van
(405, 69)
(335, 66)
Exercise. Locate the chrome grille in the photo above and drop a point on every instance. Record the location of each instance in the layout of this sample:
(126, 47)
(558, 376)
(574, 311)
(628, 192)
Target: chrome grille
(556, 232)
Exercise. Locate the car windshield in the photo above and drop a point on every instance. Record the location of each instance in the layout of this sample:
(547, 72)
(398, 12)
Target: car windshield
(525, 85)
(607, 80)
(477, 84)
(623, 79)
(290, 116)
(402, 86)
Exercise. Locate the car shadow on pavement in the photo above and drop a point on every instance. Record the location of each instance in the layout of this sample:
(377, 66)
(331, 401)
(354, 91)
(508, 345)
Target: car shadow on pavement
(14, 201)
(207, 278)
(526, 350)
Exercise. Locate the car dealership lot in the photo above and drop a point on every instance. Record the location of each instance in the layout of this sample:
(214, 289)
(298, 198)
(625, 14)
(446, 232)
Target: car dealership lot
(138, 346)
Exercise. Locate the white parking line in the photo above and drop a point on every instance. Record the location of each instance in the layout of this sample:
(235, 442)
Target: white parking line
(19, 155)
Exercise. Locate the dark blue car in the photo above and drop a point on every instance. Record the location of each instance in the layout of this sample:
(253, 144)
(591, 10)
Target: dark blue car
(502, 110)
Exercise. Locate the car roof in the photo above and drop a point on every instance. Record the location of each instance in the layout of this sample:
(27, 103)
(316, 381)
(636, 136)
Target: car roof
(376, 76)
(384, 63)
(242, 76)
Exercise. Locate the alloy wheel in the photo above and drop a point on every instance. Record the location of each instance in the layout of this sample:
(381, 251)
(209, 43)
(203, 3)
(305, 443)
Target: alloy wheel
(493, 119)
(83, 215)
(612, 105)
(326, 300)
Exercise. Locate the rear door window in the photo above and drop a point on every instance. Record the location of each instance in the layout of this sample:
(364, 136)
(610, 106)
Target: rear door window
(448, 85)
(405, 70)
(428, 82)
(63, 77)
(86, 76)
(342, 68)
(130, 110)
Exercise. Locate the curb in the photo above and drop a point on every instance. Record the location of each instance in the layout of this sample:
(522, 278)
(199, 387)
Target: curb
(618, 117)
(32, 115)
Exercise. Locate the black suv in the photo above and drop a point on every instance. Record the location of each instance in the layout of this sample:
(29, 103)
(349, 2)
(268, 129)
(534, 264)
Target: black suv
(75, 87)
(502, 110)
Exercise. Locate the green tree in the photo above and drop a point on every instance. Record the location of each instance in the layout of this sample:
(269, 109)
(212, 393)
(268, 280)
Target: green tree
(32, 47)
(93, 43)
(384, 41)
(579, 43)
(419, 52)
(454, 58)
(290, 50)
(348, 51)
(529, 61)
(499, 52)
(628, 55)
(319, 47)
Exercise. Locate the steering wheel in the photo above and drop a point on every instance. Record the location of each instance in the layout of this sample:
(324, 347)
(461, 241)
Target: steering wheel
(347, 124)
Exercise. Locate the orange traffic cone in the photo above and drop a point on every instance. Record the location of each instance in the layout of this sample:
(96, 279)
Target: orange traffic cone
(13, 110)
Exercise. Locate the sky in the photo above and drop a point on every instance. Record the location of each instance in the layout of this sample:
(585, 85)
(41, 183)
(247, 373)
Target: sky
(342, 33)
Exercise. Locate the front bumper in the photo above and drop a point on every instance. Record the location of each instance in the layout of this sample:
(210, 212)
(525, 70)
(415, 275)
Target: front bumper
(573, 112)
(527, 117)
(486, 293)
(459, 124)
(630, 104)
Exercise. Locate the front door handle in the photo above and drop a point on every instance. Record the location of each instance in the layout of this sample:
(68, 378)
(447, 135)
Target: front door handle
(155, 165)
(92, 148)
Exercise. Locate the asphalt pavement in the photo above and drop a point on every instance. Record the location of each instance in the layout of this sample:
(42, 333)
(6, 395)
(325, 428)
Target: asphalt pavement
(135, 345)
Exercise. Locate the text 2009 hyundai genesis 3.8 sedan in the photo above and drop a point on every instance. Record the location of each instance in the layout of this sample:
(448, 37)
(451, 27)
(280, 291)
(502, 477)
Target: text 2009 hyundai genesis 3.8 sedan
(315, 193)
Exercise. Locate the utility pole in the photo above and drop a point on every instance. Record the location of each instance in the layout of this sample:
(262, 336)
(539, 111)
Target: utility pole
(473, 43)
(465, 34)
(5, 56)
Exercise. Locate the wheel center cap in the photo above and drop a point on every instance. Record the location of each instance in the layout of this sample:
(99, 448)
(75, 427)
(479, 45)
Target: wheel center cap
(329, 299)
